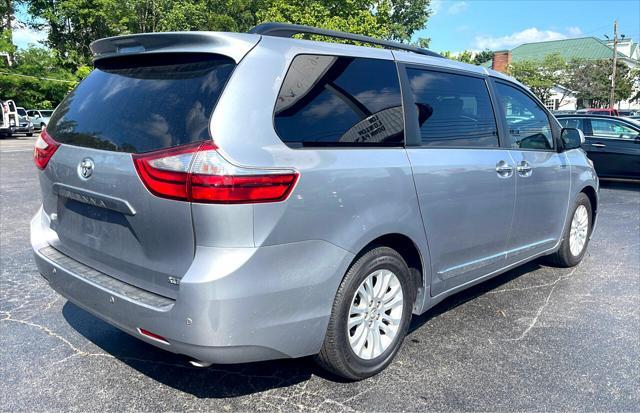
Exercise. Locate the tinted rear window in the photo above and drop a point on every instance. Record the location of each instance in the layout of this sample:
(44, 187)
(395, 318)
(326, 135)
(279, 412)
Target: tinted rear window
(340, 101)
(143, 103)
(453, 110)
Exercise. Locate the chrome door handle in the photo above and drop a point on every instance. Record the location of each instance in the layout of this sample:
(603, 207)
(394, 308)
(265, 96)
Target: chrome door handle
(504, 170)
(524, 168)
(598, 145)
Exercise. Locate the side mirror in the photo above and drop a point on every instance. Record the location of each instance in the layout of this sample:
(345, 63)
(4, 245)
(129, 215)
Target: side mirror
(572, 138)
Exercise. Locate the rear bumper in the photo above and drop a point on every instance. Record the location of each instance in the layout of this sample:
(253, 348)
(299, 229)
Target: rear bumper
(22, 129)
(234, 304)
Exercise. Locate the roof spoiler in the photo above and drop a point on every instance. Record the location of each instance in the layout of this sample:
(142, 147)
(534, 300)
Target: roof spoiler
(290, 30)
(234, 45)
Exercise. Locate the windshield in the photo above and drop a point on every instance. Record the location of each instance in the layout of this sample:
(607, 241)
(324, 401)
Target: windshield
(22, 112)
(143, 103)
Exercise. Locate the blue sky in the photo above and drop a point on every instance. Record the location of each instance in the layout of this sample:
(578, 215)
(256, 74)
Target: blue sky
(458, 25)
(503, 24)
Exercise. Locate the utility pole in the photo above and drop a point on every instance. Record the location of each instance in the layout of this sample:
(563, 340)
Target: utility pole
(612, 98)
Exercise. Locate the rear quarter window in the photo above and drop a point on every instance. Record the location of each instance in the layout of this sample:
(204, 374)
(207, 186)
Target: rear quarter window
(143, 103)
(336, 101)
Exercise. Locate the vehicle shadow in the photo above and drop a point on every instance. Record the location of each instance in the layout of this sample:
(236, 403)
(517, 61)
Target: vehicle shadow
(469, 294)
(217, 381)
(223, 381)
(626, 185)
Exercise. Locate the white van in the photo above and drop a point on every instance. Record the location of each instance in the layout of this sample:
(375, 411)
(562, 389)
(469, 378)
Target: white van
(9, 117)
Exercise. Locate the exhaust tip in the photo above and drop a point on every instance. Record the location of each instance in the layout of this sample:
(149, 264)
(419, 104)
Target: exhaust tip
(200, 364)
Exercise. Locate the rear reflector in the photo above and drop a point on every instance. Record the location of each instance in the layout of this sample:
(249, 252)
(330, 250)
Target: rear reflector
(44, 149)
(153, 336)
(198, 173)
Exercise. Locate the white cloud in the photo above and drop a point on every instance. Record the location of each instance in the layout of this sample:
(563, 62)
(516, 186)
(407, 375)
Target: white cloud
(23, 36)
(457, 7)
(435, 6)
(529, 35)
(452, 7)
(574, 31)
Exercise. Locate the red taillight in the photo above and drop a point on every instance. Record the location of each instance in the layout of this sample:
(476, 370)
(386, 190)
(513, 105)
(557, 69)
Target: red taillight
(44, 149)
(198, 173)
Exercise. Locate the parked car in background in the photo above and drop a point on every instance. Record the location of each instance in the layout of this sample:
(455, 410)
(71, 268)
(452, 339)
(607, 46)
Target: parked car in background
(627, 112)
(602, 111)
(39, 118)
(287, 217)
(10, 118)
(612, 143)
(563, 112)
(24, 123)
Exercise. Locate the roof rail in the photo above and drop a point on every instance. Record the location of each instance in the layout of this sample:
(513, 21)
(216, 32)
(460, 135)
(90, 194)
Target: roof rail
(289, 30)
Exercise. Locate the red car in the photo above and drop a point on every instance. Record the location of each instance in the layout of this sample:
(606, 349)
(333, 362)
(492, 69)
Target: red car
(603, 111)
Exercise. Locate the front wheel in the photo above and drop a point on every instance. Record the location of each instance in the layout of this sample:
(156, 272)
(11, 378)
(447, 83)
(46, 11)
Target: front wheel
(576, 234)
(370, 315)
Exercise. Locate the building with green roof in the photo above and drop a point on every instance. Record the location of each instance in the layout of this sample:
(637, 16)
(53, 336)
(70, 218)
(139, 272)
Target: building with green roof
(590, 48)
(581, 48)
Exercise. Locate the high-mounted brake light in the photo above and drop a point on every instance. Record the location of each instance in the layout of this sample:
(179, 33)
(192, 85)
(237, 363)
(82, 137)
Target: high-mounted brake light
(44, 149)
(198, 173)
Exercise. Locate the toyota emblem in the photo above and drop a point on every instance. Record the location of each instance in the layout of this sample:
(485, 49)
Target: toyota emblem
(85, 168)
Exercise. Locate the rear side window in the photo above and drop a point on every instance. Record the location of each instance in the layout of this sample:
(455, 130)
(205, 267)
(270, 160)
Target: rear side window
(528, 124)
(334, 101)
(453, 110)
(608, 128)
(143, 103)
(576, 123)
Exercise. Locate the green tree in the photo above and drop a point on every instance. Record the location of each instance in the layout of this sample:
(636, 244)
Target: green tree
(465, 56)
(591, 81)
(7, 19)
(540, 76)
(386, 19)
(74, 24)
(483, 56)
(36, 79)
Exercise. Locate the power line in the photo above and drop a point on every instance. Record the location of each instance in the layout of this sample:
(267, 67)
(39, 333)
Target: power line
(39, 78)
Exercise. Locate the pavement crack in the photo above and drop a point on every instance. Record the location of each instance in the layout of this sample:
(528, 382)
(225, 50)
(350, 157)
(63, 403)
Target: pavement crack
(55, 335)
(544, 305)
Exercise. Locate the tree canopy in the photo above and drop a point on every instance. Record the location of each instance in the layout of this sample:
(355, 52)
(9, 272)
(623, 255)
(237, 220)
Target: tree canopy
(541, 76)
(74, 24)
(589, 80)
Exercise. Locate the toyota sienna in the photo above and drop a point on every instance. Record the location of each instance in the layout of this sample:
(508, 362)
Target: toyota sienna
(242, 197)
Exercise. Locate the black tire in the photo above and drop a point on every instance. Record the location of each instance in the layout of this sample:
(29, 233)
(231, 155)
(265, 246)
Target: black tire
(336, 354)
(563, 257)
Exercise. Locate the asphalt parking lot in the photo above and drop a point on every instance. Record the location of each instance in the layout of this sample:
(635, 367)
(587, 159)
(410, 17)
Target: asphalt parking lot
(536, 338)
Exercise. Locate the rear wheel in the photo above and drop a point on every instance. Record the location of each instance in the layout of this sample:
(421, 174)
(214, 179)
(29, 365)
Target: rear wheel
(370, 315)
(576, 234)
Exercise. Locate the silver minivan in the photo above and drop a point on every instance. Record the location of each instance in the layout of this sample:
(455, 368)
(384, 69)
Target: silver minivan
(242, 197)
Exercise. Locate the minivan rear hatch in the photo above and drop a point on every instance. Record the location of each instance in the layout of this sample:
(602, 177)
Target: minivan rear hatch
(102, 213)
